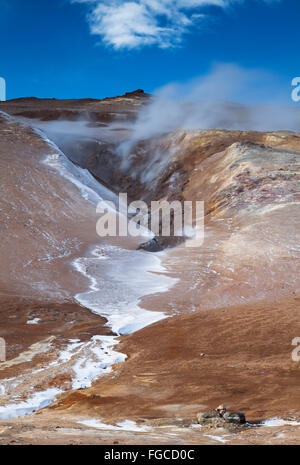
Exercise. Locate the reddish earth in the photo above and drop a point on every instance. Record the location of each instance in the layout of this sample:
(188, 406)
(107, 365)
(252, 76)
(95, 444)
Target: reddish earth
(232, 315)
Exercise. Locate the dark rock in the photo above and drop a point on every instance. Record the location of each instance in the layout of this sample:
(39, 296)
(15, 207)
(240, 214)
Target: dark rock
(138, 91)
(151, 246)
(235, 417)
(209, 418)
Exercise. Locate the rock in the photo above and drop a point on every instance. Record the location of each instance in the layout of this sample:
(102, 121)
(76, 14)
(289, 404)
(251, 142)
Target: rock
(209, 418)
(162, 422)
(135, 92)
(220, 417)
(235, 417)
(151, 246)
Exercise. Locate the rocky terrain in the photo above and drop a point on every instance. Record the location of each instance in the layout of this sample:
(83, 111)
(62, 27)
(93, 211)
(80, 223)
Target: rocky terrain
(232, 304)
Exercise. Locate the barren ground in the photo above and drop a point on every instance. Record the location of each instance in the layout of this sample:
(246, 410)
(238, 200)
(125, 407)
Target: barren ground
(232, 315)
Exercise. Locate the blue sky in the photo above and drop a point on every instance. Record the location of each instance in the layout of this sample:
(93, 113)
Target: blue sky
(99, 48)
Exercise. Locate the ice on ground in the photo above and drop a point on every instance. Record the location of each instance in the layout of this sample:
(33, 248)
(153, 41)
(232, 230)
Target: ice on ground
(126, 425)
(90, 189)
(91, 359)
(36, 402)
(217, 438)
(100, 361)
(280, 422)
(119, 278)
(35, 321)
(117, 285)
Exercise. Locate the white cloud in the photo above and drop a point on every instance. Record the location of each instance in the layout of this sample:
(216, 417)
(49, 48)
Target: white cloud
(134, 23)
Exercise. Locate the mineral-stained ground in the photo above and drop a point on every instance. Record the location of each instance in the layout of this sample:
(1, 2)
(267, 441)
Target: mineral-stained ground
(231, 305)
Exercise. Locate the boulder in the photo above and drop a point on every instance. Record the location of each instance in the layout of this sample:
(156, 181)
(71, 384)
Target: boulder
(235, 417)
(210, 418)
(220, 417)
(151, 246)
(221, 410)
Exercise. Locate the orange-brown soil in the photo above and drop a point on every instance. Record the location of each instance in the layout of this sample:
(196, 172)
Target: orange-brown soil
(232, 315)
(176, 368)
(240, 356)
(61, 320)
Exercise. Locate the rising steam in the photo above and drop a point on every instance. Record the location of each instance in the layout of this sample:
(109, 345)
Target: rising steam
(229, 97)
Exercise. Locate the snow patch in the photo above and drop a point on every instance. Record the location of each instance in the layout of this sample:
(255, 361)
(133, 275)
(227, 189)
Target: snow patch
(36, 402)
(126, 425)
(100, 361)
(279, 422)
(118, 283)
(35, 321)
